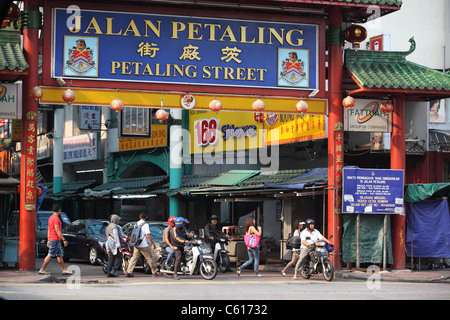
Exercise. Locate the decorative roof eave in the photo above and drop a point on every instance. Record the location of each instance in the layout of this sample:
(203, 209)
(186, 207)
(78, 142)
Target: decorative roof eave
(388, 72)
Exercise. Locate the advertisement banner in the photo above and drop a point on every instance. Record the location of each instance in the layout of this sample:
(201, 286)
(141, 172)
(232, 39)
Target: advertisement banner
(224, 131)
(373, 191)
(293, 128)
(83, 147)
(158, 139)
(367, 116)
(142, 47)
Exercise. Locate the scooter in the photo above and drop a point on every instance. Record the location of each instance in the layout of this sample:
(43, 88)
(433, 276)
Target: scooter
(318, 261)
(198, 259)
(221, 254)
(126, 256)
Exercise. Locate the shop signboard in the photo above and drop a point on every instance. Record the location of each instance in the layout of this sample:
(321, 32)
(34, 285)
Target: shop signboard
(366, 116)
(83, 147)
(373, 191)
(144, 47)
(10, 101)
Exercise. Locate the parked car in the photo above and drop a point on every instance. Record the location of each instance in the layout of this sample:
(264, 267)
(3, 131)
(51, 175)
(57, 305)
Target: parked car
(85, 238)
(156, 232)
(42, 217)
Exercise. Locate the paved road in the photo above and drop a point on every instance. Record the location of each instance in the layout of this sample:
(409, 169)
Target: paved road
(91, 284)
(226, 287)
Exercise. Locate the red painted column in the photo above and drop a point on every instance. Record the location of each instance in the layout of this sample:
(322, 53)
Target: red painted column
(398, 162)
(27, 241)
(335, 72)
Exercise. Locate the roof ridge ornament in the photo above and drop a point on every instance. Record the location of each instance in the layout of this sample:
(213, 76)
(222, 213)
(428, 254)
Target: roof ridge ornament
(412, 48)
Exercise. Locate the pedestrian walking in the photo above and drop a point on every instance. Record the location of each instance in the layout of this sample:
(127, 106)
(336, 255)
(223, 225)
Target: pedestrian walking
(298, 226)
(253, 253)
(143, 248)
(54, 238)
(113, 246)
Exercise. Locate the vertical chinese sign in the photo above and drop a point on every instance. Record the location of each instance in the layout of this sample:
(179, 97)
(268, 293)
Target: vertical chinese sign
(30, 167)
(338, 165)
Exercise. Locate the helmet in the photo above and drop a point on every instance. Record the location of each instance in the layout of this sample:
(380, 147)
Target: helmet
(179, 222)
(308, 222)
(171, 221)
(213, 217)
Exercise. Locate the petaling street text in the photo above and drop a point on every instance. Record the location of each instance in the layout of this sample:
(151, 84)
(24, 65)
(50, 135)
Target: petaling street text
(189, 71)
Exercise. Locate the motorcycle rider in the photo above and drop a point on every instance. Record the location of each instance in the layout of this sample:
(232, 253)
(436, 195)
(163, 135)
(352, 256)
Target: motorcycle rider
(213, 232)
(178, 239)
(308, 237)
(166, 240)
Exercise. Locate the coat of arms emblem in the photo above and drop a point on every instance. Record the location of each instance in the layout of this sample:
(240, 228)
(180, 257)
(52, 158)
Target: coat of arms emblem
(80, 58)
(293, 69)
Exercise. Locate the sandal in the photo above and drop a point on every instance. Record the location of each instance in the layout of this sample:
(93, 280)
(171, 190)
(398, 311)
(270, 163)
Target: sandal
(238, 271)
(283, 273)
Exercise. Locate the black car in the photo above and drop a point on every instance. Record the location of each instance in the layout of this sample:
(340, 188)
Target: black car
(42, 217)
(85, 238)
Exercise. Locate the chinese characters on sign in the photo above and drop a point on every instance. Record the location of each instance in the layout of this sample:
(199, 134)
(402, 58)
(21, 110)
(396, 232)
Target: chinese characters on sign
(90, 117)
(81, 148)
(158, 139)
(30, 168)
(338, 164)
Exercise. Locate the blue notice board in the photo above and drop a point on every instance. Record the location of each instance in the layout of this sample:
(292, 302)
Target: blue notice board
(373, 191)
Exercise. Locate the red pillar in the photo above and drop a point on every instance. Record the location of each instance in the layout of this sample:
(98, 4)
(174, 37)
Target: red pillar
(27, 242)
(398, 162)
(335, 72)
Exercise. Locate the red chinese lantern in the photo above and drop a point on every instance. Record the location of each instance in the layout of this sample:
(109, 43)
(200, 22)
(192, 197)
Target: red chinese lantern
(301, 106)
(215, 105)
(37, 93)
(355, 34)
(116, 105)
(348, 102)
(162, 115)
(68, 96)
(258, 105)
(387, 107)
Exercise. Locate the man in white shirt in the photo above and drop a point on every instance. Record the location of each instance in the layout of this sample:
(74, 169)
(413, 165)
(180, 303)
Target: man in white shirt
(143, 248)
(309, 236)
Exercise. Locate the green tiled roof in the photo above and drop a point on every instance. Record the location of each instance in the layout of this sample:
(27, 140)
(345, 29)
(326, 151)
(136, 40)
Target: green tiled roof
(130, 185)
(233, 177)
(391, 70)
(276, 177)
(11, 55)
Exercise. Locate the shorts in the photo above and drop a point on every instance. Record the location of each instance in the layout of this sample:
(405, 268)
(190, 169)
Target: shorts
(55, 248)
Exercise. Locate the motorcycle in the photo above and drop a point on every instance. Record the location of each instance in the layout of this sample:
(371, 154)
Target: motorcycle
(318, 261)
(126, 256)
(198, 259)
(221, 254)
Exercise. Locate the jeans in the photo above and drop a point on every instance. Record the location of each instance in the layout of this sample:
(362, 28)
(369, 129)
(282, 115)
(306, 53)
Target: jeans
(114, 262)
(253, 255)
(169, 255)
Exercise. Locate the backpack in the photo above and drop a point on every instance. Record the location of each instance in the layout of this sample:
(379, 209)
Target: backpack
(135, 237)
(293, 242)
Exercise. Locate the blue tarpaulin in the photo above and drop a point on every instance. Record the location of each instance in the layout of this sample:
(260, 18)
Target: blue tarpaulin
(317, 175)
(428, 229)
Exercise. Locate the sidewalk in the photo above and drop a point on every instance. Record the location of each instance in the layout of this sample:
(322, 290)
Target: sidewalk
(94, 274)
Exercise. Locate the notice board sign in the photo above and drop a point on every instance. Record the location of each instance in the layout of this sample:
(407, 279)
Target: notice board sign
(373, 191)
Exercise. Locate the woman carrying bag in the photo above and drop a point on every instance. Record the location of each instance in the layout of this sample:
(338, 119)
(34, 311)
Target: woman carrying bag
(251, 239)
(113, 246)
(298, 226)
